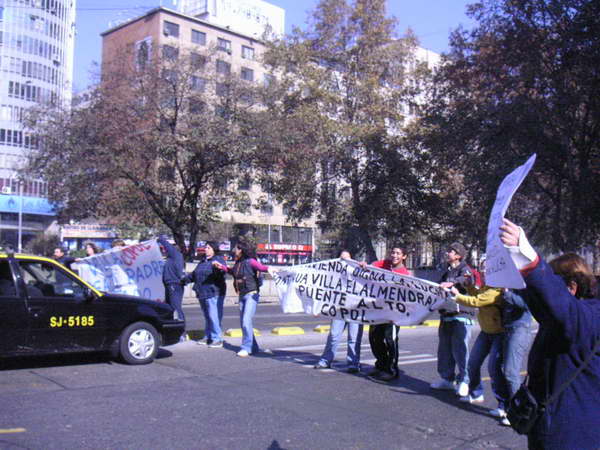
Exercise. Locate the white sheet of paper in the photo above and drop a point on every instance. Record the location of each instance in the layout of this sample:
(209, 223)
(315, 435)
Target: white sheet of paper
(500, 271)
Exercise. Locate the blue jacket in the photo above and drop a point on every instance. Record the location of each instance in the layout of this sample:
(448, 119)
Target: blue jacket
(173, 271)
(208, 281)
(568, 330)
(515, 312)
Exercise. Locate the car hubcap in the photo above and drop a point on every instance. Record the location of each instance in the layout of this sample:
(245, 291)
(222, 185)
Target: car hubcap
(141, 344)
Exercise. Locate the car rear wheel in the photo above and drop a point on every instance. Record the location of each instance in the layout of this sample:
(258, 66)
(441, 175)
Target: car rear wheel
(138, 343)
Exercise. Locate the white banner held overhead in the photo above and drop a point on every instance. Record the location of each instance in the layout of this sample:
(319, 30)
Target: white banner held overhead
(132, 270)
(500, 271)
(341, 289)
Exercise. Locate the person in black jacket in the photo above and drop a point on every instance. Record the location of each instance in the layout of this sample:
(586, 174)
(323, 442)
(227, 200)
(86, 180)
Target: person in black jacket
(209, 286)
(173, 272)
(60, 256)
(456, 322)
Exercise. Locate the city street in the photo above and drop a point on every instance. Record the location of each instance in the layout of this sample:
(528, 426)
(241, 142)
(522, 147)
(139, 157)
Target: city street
(196, 397)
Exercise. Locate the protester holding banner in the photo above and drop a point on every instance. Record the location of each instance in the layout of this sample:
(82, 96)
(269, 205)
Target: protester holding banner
(455, 327)
(490, 341)
(384, 337)
(91, 249)
(247, 283)
(173, 272)
(560, 297)
(338, 326)
(60, 256)
(209, 286)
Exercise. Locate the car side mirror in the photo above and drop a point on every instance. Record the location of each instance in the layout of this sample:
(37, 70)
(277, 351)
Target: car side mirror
(88, 294)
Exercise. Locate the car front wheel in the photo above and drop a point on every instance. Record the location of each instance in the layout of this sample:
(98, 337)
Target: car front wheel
(138, 343)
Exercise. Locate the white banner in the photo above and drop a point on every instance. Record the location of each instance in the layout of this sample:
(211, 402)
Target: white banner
(133, 270)
(500, 270)
(341, 289)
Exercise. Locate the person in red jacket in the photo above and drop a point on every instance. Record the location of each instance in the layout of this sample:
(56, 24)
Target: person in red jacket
(384, 337)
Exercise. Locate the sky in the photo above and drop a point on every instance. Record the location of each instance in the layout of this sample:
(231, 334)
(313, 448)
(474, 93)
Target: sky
(431, 21)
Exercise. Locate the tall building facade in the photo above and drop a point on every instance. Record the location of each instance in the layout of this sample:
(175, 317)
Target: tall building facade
(36, 66)
(250, 17)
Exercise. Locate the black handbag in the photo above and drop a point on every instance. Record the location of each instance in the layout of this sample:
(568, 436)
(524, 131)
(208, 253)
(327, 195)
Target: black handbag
(524, 410)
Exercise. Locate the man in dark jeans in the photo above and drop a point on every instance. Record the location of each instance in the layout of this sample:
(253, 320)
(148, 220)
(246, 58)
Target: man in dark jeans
(455, 326)
(173, 274)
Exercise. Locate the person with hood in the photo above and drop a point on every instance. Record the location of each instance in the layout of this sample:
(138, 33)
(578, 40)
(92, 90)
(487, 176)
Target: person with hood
(173, 272)
(209, 286)
(456, 322)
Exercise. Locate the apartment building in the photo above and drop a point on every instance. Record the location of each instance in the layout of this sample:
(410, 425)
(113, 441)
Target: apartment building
(36, 65)
(164, 32)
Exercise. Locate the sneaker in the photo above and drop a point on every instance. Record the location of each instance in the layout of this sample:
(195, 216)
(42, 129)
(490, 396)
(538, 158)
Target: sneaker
(353, 369)
(504, 421)
(203, 342)
(267, 351)
(321, 365)
(471, 399)
(462, 390)
(384, 376)
(243, 353)
(215, 344)
(498, 412)
(443, 385)
(184, 337)
(374, 373)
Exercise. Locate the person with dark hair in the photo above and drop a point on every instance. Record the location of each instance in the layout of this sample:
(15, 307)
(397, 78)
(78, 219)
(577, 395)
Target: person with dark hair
(247, 283)
(91, 249)
(60, 256)
(118, 243)
(209, 286)
(173, 272)
(383, 337)
(355, 331)
(560, 297)
(454, 331)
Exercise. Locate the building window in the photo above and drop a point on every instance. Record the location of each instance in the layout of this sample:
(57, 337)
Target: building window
(198, 84)
(197, 60)
(198, 37)
(222, 89)
(247, 52)
(223, 67)
(196, 106)
(224, 45)
(247, 74)
(170, 29)
(169, 52)
(268, 80)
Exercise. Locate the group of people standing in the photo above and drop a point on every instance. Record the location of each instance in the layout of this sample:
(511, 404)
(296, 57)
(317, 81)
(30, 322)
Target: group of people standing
(559, 295)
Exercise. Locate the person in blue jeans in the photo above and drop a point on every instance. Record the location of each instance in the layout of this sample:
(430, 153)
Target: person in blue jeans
(516, 320)
(338, 326)
(173, 274)
(247, 283)
(209, 286)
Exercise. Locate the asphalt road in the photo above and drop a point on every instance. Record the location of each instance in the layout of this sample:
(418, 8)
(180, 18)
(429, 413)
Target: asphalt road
(194, 397)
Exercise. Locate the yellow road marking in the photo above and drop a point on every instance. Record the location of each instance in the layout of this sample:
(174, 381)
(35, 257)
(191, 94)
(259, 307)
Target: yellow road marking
(12, 430)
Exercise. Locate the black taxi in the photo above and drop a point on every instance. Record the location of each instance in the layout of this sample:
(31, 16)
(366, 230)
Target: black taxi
(47, 309)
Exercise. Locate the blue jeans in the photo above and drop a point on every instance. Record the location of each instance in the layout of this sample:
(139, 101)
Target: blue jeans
(488, 344)
(453, 350)
(212, 308)
(516, 344)
(174, 297)
(248, 304)
(355, 332)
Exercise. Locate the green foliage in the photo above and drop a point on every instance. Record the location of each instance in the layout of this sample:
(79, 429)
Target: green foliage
(524, 81)
(42, 245)
(339, 96)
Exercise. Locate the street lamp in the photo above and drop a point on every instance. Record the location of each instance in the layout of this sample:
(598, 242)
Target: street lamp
(20, 226)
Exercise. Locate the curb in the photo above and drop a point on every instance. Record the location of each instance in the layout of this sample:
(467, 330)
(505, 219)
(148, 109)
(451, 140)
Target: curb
(287, 331)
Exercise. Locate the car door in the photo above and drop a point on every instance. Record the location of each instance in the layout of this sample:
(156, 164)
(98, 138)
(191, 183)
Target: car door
(14, 321)
(61, 318)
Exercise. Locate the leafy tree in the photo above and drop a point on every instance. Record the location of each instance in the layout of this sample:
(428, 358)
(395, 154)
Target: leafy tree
(524, 80)
(339, 96)
(157, 145)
